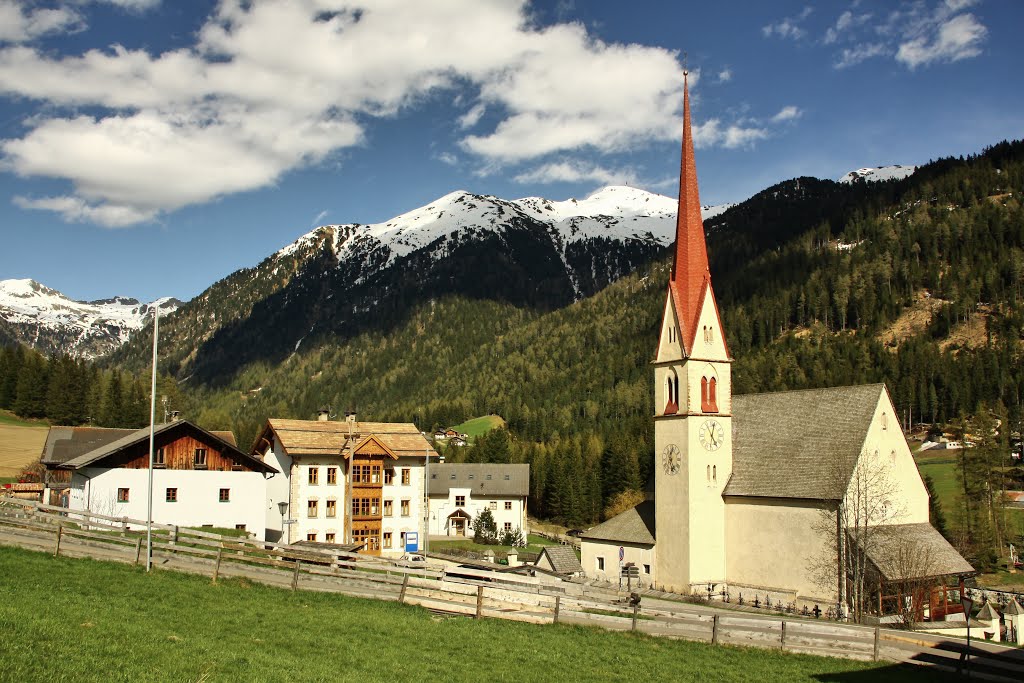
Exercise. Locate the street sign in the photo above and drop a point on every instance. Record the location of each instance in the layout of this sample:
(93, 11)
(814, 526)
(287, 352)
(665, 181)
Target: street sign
(412, 541)
(622, 553)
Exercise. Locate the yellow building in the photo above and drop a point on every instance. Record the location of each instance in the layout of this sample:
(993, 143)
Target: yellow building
(773, 495)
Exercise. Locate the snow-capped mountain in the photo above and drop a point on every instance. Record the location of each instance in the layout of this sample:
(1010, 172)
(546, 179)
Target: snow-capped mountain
(339, 280)
(50, 322)
(870, 175)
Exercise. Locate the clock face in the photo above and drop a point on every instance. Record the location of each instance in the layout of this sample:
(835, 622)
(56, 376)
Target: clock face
(712, 435)
(670, 459)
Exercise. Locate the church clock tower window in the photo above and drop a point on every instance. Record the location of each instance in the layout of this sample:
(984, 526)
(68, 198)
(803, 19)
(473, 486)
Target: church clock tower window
(708, 397)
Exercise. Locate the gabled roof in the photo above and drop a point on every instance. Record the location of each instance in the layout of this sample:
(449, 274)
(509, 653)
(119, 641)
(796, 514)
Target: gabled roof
(372, 445)
(66, 443)
(482, 479)
(799, 444)
(562, 558)
(1013, 607)
(134, 437)
(316, 437)
(906, 551)
(987, 612)
(635, 525)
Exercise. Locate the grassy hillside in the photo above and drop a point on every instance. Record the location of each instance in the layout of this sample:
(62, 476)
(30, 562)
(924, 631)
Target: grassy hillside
(116, 623)
(479, 425)
(20, 445)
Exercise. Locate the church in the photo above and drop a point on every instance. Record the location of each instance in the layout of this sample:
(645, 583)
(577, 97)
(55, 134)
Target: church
(768, 495)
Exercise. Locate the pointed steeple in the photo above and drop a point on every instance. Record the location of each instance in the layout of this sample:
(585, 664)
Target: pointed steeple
(690, 272)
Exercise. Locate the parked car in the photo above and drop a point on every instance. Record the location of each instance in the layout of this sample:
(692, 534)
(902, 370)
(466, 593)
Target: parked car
(575, 533)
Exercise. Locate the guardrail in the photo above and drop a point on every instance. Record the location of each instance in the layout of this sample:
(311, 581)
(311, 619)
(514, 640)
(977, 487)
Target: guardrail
(475, 592)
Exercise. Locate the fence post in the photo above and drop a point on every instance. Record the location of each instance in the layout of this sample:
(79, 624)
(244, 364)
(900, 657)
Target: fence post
(405, 584)
(295, 576)
(60, 532)
(878, 637)
(124, 525)
(783, 643)
(138, 550)
(479, 602)
(174, 535)
(558, 607)
(216, 567)
(636, 608)
(714, 631)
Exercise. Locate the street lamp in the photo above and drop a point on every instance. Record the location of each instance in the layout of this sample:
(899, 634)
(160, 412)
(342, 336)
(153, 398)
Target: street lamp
(283, 509)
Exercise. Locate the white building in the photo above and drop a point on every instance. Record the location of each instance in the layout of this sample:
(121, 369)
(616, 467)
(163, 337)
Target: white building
(345, 482)
(459, 492)
(200, 478)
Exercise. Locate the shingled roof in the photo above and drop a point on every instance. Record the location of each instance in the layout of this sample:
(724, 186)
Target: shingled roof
(68, 443)
(481, 479)
(136, 436)
(635, 525)
(791, 444)
(317, 437)
(562, 559)
(904, 551)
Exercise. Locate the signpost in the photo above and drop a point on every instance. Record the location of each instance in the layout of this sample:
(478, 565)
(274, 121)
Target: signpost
(412, 541)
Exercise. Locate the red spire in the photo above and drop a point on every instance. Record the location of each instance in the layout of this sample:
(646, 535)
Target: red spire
(690, 273)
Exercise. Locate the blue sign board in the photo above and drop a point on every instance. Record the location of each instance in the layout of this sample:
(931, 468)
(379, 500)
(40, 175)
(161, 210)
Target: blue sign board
(412, 541)
(622, 553)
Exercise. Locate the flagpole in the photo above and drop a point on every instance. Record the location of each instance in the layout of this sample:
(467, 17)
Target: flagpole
(152, 440)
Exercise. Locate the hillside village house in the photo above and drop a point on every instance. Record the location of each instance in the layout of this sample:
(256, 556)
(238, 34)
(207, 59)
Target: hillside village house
(345, 482)
(763, 494)
(200, 478)
(459, 492)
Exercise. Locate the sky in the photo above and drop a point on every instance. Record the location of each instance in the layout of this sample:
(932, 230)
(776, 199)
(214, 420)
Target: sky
(149, 148)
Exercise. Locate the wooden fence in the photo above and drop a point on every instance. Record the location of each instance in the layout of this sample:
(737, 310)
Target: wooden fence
(476, 593)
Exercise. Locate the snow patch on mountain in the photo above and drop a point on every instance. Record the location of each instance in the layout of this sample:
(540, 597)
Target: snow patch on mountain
(86, 328)
(870, 175)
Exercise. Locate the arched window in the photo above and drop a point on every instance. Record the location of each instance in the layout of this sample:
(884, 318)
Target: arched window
(712, 395)
(709, 335)
(672, 404)
(703, 394)
(709, 473)
(892, 458)
(885, 421)
(714, 473)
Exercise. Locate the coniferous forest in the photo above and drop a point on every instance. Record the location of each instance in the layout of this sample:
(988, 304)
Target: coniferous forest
(818, 283)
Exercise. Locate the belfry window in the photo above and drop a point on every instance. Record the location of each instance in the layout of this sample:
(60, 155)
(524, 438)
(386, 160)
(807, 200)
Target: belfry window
(708, 395)
(672, 405)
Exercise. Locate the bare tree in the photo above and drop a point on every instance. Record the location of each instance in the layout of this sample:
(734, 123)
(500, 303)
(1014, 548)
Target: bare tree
(910, 567)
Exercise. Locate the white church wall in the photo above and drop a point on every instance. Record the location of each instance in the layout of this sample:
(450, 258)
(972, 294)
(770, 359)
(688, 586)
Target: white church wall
(600, 560)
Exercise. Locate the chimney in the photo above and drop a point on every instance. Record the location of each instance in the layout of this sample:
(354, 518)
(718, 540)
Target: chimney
(175, 415)
(323, 415)
(350, 416)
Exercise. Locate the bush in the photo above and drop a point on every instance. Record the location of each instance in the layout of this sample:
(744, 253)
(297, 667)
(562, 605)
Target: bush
(485, 529)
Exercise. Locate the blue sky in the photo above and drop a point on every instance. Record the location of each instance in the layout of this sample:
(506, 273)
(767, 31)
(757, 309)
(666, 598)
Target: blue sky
(149, 147)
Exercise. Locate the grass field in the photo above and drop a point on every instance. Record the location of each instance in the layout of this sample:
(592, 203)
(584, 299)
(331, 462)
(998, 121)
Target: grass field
(81, 620)
(20, 445)
(479, 425)
(534, 545)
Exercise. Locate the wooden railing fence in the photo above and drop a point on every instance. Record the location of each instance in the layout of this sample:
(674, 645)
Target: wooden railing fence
(475, 592)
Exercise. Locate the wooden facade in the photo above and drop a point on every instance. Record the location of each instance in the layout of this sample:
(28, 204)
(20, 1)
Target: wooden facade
(367, 467)
(184, 452)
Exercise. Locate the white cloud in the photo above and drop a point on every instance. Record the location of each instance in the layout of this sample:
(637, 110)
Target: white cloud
(576, 172)
(77, 210)
(850, 56)
(725, 75)
(788, 113)
(472, 117)
(952, 40)
(20, 23)
(134, 5)
(448, 158)
(845, 23)
(788, 27)
(319, 217)
(713, 133)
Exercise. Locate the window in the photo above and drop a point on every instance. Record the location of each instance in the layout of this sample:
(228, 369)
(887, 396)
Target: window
(434, 475)
(332, 508)
(507, 477)
(389, 476)
(332, 475)
(600, 564)
(172, 496)
(406, 476)
(460, 501)
(714, 473)
(708, 395)
(311, 536)
(493, 505)
(709, 474)
(361, 474)
(314, 476)
(387, 539)
(122, 495)
(885, 421)
(388, 508)
(892, 458)
(225, 495)
(452, 477)
(472, 476)
(312, 508)
(508, 504)
(375, 474)
(647, 569)
(375, 507)
(158, 458)
(403, 540)
(199, 458)
(508, 526)
(405, 508)
(329, 537)
(240, 527)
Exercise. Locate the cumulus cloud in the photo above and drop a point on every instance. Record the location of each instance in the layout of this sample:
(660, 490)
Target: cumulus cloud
(790, 27)
(577, 171)
(713, 133)
(77, 210)
(725, 75)
(788, 113)
(20, 23)
(916, 34)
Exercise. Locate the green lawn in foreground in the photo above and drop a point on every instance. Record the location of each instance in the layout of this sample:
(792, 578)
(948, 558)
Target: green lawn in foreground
(534, 545)
(80, 620)
(479, 425)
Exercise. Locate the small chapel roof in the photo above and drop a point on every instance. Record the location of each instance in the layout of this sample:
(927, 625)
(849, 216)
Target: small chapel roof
(562, 559)
(987, 612)
(908, 551)
(799, 444)
(635, 525)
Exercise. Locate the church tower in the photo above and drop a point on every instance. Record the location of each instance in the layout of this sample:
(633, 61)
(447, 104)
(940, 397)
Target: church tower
(692, 405)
